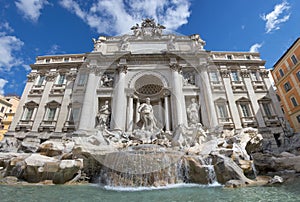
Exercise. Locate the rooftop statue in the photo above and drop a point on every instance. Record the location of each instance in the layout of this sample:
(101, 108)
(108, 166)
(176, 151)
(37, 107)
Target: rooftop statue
(147, 28)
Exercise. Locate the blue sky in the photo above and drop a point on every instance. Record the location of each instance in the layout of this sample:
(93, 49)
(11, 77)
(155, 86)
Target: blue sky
(29, 28)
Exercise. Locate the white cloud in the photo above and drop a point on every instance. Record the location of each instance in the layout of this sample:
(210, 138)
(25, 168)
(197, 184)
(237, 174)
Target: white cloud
(278, 16)
(118, 16)
(254, 48)
(31, 9)
(6, 27)
(2, 84)
(8, 45)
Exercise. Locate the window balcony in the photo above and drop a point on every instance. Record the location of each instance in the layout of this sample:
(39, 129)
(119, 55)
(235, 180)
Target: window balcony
(69, 126)
(217, 86)
(238, 86)
(58, 89)
(226, 122)
(48, 126)
(24, 125)
(272, 121)
(249, 122)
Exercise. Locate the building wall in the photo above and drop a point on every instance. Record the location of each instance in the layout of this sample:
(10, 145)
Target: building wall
(8, 106)
(286, 75)
(238, 95)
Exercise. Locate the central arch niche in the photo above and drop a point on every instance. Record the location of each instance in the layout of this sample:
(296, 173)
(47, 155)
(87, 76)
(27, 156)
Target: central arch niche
(148, 85)
(155, 86)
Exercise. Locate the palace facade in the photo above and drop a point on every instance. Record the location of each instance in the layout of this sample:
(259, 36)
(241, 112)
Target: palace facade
(229, 90)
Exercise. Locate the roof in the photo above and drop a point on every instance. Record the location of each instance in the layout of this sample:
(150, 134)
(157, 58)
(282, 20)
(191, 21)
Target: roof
(286, 52)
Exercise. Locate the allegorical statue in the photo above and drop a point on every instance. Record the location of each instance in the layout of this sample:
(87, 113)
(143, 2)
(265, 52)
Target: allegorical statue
(102, 118)
(147, 121)
(193, 112)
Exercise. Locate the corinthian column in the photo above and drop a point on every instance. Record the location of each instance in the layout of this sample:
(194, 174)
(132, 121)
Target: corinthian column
(119, 99)
(88, 111)
(178, 97)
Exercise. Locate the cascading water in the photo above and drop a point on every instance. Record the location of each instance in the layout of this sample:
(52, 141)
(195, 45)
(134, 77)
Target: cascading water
(210, 171)
(143, 167)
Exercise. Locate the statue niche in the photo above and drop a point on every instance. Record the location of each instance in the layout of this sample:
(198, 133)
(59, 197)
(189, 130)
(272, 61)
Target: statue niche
(103, 116)
(148, 121)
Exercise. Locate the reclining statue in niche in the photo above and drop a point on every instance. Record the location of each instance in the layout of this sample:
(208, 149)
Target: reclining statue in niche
(102, 118)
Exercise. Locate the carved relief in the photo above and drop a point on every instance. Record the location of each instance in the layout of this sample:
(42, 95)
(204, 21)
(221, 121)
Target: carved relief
(188, 78)
(264, 74)
(107, 80)
(197, 42)
(176, 67)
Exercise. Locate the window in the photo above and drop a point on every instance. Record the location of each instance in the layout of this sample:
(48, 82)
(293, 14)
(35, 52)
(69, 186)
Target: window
(245, 110)
(298, 118)
(281, 72)
(267, 109)
(287, 86)
(248, 57)
(82, 79)
(294, 59)
(229, 57)
(66, 59)
(47, 60)
(51, 114)
(41, 80)
(222, 111)
(61, 79)
(294, 101)
(2, 109)
(234, 76)
(213, 76)
(28, 113)
(298, 75)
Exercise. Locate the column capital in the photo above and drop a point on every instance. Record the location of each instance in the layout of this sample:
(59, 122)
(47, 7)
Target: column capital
(176, 67)
(31, 77)
(224, 73)
(122, 68)
(94, 69)
(51, 76)
(264, 74)
(245, 73)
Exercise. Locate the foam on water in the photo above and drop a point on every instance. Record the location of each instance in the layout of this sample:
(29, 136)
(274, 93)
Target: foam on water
(169, 186)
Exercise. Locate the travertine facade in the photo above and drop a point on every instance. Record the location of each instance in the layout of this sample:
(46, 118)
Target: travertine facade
(185, 83)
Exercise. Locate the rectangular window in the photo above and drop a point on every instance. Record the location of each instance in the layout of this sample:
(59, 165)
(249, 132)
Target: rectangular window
(248, 57)
(222, 111)
(47, 60)
(294, 101)
(298, 118)
(267, 109)
(66, 59)
(51, 114)
(29, 113)
(235, 76)
(245, 110)
(82, 79)
(287, 86)
(2, 109)
(229, 57)
(298, 75)
(281, 72)
(294, 59)
(41, 80)
(214, 77)
(61, 79)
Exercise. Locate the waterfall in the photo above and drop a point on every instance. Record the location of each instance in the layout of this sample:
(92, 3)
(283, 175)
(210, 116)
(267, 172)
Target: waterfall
(143, 167)
(210, 170)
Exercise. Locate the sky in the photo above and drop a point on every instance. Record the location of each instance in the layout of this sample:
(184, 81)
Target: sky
(31, 28)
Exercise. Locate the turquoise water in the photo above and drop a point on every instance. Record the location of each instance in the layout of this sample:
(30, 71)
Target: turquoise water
(286, 193)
